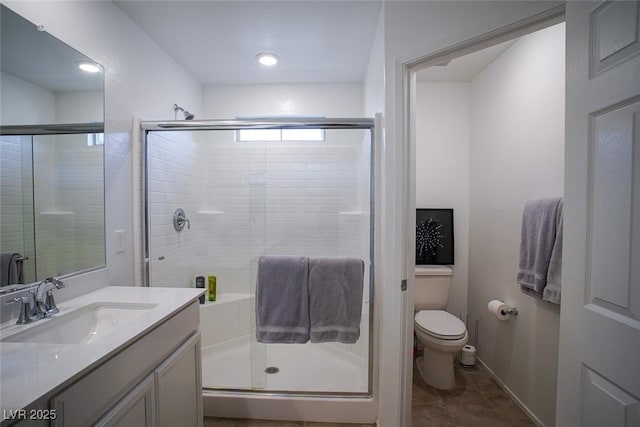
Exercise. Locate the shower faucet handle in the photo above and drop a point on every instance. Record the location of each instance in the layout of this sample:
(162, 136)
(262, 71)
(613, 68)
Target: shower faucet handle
(179, 219)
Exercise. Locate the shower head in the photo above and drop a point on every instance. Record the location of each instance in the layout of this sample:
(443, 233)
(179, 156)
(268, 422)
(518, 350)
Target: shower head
(187, 115)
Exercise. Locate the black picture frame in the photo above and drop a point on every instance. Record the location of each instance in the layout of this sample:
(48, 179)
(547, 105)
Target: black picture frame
(434, 236)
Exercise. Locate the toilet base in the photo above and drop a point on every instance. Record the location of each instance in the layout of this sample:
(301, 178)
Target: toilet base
(436, 368)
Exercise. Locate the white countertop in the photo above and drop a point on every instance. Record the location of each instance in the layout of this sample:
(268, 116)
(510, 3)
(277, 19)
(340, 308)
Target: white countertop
(30, 371)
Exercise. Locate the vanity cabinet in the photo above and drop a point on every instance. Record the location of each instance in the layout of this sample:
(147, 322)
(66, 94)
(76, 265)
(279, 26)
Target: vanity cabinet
(136, 409)
(154, 381)
(178, 402)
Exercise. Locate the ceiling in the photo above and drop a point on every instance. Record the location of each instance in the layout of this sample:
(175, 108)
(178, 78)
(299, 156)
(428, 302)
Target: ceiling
(464, 68)
(41, 59)
(217, 41)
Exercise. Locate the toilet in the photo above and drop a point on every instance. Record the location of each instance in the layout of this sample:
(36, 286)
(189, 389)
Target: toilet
(442, 334)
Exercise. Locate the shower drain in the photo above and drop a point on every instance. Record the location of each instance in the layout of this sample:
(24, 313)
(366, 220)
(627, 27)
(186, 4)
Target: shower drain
(272, 370)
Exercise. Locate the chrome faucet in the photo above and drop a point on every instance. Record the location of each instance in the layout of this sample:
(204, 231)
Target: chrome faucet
(44, 302)
(42, 298)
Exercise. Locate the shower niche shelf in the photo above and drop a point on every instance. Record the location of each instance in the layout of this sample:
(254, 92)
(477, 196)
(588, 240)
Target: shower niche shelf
(353, 213)
(209, 212)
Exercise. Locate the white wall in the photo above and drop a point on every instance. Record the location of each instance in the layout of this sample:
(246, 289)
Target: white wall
(79, 107)
(374, 77)
(25, 103)
(374, 104)
(330, 100)
(141, 80)
(443, 135)
(517, 154)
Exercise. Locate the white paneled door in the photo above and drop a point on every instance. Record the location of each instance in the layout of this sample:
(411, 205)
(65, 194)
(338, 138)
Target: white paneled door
(599, 365)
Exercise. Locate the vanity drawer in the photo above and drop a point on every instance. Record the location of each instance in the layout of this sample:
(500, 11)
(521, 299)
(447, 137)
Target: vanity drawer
(86, 400)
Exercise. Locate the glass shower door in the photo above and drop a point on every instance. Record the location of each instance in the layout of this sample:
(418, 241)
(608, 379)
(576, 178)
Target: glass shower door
(246, 199)
(220, 185)
(318, 196)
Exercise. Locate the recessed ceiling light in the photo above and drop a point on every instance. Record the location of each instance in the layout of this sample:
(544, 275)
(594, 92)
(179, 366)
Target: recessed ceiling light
(267, 59)
(89, 67)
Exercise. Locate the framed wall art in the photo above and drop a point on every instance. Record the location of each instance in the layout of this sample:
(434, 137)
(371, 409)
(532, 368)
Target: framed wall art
(434, 237)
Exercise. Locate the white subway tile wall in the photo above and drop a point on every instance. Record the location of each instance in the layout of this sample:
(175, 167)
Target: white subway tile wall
(16, 199)
(66, 209)
(246, 199)
(69, 204)
(173, 175)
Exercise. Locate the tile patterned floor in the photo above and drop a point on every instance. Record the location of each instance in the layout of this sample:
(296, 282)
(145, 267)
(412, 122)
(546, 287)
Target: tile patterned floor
(475, 401)
(227, 422)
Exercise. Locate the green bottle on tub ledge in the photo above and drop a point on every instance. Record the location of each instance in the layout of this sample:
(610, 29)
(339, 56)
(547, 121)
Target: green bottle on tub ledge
(211, 281)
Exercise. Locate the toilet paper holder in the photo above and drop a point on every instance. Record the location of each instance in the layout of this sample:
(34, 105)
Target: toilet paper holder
(511, 310)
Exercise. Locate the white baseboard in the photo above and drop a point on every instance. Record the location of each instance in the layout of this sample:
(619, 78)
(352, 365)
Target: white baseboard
(513, 397)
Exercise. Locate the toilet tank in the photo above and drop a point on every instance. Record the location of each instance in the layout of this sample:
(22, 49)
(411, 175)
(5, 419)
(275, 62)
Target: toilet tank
(431, 291)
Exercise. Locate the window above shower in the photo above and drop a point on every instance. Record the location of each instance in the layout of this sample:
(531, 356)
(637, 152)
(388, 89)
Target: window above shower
(265, 135)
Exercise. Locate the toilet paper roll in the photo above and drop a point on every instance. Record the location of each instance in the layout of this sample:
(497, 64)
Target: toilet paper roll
(468, 355)
(496, 307)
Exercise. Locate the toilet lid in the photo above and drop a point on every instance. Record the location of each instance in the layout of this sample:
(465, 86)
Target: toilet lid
(440, 324)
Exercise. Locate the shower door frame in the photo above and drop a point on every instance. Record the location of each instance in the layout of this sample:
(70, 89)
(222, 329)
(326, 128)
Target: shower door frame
(270, 123)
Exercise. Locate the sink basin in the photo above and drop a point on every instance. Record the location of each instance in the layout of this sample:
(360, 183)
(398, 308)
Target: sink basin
(81, 326)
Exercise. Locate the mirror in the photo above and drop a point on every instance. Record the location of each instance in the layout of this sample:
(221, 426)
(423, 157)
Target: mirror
(51, 157)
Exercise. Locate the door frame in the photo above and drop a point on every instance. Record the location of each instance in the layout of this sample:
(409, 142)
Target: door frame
(406, 70)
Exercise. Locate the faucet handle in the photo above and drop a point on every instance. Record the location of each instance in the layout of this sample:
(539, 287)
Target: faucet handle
(59, 284)
(25, 310)
(44, 295)
(50, 303)
(35, 312)
(179, 219)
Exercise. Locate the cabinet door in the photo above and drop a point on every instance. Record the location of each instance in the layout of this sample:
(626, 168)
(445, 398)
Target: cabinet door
(89, 398)
(179, 387)
(135, 409)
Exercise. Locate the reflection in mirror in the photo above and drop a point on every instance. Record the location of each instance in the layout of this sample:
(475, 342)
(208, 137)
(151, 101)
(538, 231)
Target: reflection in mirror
(51, 157)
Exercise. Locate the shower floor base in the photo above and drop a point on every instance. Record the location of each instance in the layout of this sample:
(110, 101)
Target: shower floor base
(301, 367)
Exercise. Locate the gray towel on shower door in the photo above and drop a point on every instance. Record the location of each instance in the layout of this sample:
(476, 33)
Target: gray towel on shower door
(335, 299)
(538, 237)
(282, 300)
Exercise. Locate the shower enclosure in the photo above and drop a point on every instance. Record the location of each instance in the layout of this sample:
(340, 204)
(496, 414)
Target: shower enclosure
(249, 188)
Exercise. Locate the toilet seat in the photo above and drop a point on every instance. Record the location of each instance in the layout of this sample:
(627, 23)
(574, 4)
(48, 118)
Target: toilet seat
(440, 324)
